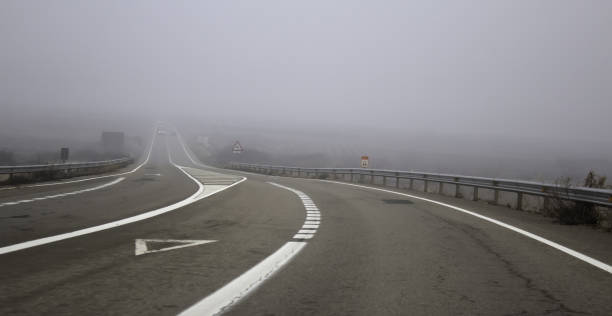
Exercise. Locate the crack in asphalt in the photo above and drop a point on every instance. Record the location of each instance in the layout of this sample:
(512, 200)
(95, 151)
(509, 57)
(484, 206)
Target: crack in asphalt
(511, 268)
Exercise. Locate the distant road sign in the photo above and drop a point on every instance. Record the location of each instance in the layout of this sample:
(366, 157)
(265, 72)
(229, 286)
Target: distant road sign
(237, 149)
(64, 154)
(365, 161)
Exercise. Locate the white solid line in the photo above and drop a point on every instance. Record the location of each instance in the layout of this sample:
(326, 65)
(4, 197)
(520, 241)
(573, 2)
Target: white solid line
(545, 241)
(64, 194)
(191, 199)
(222, 299)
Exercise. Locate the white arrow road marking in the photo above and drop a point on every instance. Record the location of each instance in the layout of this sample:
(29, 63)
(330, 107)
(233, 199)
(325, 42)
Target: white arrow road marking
(64, 194)
(142, 247)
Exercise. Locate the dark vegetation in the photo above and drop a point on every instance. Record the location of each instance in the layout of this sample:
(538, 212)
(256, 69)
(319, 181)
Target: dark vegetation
(575, 213)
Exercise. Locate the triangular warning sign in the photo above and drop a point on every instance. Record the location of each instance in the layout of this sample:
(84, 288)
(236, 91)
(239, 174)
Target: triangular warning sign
(237, 148)
(144, 246)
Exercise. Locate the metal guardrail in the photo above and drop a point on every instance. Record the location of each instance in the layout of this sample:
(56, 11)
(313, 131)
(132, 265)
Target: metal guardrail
(10, 170)
(579, 194)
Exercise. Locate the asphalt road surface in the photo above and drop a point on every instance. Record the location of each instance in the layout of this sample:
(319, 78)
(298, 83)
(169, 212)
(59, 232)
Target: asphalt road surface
(175, 236)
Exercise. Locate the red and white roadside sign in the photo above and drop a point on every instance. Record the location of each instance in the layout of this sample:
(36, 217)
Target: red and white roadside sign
(365, 161)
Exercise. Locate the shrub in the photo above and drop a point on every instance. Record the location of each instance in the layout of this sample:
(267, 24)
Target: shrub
(570, 212)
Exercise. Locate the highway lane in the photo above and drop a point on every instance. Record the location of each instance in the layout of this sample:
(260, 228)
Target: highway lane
(99, 273)
(378, 253)
(533, 277)
(374, 253)
(383, 247)
(156, 184)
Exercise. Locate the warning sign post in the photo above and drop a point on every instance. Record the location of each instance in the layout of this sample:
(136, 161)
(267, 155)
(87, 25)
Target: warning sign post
(365, 161)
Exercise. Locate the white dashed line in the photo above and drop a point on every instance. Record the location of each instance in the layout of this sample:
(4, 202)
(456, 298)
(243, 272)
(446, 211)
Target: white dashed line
(230, 294)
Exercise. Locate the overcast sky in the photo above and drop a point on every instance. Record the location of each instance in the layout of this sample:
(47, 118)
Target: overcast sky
(485, 68)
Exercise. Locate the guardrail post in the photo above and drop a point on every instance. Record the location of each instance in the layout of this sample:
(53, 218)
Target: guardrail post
(456, 187)
(475, 196)
(397, 179)
(496, 193)
(384, 181)
(519, 201)
(371, 177)
(546, 200)
(411, 183)
(426, 183)
(441, 188)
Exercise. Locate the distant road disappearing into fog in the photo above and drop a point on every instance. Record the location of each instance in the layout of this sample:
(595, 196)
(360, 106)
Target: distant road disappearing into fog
(177, 236)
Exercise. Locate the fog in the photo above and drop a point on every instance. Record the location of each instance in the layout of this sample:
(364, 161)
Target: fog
(498, 88)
